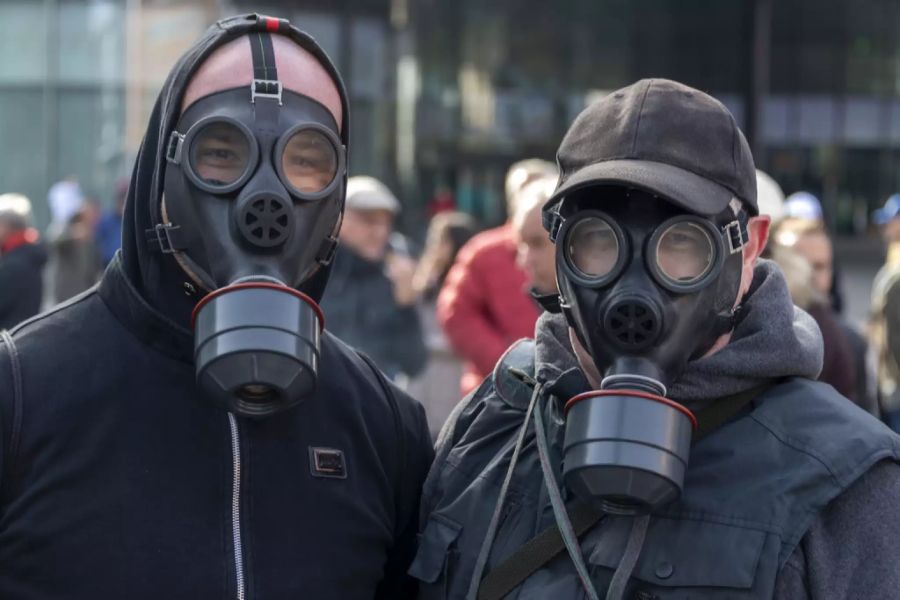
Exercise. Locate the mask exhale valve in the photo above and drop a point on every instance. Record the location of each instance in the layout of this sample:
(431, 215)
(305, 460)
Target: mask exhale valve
(626, 450)
(256, 347)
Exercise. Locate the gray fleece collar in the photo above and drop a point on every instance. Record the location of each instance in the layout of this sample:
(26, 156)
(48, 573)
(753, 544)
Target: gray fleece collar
(774, 340)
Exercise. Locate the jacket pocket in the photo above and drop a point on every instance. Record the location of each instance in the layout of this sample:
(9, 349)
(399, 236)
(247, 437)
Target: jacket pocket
(691, 559)
(435, 557)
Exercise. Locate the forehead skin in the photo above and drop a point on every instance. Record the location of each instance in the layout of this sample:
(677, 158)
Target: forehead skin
(231, 66)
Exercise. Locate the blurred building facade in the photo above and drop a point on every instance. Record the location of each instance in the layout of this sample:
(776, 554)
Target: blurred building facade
(446, 94)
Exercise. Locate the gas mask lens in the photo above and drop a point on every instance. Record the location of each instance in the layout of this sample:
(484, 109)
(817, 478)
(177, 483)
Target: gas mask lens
(593, 247)
(220, 154)
(685, 253)
(309, 161)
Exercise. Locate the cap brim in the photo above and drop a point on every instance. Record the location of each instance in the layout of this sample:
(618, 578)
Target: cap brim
(881, 216)
(679, 186)
(366, 204)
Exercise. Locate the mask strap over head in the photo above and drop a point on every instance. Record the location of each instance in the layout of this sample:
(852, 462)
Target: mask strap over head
(168, 238)
(265, 72)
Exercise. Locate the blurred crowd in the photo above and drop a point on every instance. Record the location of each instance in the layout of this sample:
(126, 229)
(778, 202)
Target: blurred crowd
(436, 317)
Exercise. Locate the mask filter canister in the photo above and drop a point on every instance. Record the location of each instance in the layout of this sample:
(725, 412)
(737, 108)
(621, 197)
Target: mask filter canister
(627, 446)
(256, 347)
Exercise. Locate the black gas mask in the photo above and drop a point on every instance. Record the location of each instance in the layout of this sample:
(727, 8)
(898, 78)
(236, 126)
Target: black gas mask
(646, 286)
(254, 190)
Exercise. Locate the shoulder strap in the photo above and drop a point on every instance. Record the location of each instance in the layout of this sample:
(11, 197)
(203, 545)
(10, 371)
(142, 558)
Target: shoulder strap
(13, 447)
(548, 544)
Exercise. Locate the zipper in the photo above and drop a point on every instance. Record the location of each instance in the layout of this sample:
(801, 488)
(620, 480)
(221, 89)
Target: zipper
(236, 507)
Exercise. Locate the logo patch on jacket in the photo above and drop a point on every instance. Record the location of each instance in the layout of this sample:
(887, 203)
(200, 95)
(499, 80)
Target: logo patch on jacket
(327, 462)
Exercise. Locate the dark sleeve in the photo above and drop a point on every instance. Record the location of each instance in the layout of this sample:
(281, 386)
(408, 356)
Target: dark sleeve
(410, 352)
(853, 548)
(418, 455)
(10, 278)
(892, 320)
(838, 366)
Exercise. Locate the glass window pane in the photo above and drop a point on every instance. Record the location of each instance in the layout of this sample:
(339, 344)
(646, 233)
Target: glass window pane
(91, 43)
(23, 43)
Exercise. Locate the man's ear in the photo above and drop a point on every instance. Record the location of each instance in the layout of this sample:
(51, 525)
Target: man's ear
(757, 237)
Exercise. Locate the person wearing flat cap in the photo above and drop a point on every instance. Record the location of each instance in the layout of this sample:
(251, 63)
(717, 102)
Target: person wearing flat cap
(370, 299)
(663, 436)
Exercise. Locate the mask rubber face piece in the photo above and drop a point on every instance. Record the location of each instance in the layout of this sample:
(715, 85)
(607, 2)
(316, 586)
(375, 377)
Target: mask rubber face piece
(254, 189)
(646, 287)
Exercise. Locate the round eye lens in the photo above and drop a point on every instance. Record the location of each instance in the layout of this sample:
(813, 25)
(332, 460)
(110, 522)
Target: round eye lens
(593, 247)
(685, 252)
(219, 154)
(309, 161)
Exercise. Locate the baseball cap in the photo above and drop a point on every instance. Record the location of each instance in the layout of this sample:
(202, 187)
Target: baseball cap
(367, 193)
(803, 205)
(665, 138)
(888, 212)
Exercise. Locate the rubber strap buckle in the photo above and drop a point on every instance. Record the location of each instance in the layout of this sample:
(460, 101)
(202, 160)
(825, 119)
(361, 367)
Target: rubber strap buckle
(736, 235)
(327, 251)
(161, 236)
(174, 147)
(265, 88)
(553, 222)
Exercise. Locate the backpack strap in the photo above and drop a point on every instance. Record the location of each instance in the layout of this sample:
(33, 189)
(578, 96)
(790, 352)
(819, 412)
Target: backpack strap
(13, 447)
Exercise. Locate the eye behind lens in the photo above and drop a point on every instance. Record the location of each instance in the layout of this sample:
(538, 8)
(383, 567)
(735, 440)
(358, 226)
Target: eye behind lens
(220, 154)
(685, 253)
(593, 247)
(309, 161)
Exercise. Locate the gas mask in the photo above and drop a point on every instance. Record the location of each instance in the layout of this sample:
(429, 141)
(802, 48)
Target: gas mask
(646, 287)
(254, 189)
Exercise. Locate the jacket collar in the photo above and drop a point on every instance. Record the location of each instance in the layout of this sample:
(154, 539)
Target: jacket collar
(152, 327)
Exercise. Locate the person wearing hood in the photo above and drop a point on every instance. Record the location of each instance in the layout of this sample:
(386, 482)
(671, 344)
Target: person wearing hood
(22, 259)
(662, 437)
(190, 428)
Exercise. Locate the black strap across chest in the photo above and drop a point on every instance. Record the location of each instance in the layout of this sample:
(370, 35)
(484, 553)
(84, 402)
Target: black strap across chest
(548, 544)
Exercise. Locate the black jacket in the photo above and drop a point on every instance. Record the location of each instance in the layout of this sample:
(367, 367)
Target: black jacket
(360, 309)
(21, 283)
(119, 479)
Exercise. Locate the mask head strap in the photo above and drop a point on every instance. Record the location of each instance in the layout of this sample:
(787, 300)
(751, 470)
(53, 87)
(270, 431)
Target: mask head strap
(265, 73)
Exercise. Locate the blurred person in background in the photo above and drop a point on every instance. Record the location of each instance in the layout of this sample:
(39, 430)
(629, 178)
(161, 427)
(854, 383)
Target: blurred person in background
(75, 263)
(109, 227)
(535, 253)
(190, 428)
(809, 240)
(804, 207)
(771, 203)
(839, 368)
(437, 387)
(370, 302)
(22, 258)
(484, 305)
(884, 324)
(769, 196)
(65, 199)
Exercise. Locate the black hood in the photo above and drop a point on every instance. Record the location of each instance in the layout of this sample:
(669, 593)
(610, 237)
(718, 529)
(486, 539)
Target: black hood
(156, 276)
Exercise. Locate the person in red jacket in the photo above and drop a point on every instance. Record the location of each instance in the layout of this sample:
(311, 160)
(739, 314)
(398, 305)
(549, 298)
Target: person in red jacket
(484, 305)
